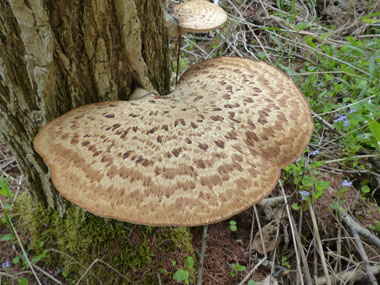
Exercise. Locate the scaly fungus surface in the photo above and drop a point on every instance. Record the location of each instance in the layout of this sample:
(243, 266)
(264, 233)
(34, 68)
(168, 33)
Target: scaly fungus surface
(210, 150)
(199, 16)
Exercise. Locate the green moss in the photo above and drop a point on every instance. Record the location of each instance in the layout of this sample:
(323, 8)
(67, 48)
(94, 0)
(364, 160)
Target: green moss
(79, 238)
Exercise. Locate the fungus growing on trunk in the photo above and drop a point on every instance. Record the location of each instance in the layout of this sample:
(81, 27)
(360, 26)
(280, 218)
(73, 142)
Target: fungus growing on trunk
(210, 150)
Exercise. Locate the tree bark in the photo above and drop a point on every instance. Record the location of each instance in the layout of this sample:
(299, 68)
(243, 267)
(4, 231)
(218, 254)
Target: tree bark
(56, 55)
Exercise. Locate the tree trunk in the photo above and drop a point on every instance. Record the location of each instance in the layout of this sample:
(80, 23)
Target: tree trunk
(56, 55)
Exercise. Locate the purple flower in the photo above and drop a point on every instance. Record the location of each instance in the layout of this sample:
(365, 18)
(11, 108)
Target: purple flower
(299, 159)
(346, 183)
(304, 194)
(342, 118)
(6, 264)
(339, 118)
(352, 111)
(314, 153)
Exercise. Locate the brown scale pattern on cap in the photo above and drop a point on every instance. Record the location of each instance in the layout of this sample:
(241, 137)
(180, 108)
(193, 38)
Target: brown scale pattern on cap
(199, 16)
(209, 154)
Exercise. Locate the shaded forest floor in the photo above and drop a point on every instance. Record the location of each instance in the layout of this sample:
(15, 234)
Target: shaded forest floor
(322, 222)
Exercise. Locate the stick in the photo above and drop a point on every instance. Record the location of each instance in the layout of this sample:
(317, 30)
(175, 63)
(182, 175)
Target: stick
(309, 280)
(202, 255)
(349, 276)
(252, 270)
(320, 249)
(358, 228)
(47, 274)
(362, 252)
(260, 232)
(299, 272)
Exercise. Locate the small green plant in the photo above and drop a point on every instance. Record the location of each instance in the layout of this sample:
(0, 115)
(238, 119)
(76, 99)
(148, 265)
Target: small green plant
(233, 226)
(376, 227)
(7, 206)
(183, 275)
(285, 262)
(311, 189)
(236, 268)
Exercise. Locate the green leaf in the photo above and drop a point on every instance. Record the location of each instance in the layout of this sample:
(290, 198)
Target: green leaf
(365, 189)
(251, 282)
(181, 275)
(317, 193)
(374, 127)
(316, 164)
(308, 181)
(7, 237)
(296, 207)
(7, 219)
(25, 261)
(16, 260)
(233, 226)
(23, 281)
(238, 267)
(369, 19)
(39, 257)
(4, 189)
(189, 262)
(322, 185)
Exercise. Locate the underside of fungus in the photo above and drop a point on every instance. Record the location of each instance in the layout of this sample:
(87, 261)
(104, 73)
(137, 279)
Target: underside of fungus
(210, 150)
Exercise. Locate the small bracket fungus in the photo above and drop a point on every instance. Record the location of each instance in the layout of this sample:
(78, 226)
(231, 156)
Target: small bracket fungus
(198, 16)
(210, 151)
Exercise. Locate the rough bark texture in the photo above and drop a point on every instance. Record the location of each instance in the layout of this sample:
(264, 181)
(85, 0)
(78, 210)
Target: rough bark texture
(56, 55)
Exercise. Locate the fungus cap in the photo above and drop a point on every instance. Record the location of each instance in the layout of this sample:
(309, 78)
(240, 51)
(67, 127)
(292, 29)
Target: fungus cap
(207, 153)
(199, 16)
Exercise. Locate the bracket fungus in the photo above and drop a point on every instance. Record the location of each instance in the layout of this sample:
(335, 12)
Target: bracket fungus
(209, 151)
(198, 16)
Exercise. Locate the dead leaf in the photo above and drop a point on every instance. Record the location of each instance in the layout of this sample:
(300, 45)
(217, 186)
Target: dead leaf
(269, 232)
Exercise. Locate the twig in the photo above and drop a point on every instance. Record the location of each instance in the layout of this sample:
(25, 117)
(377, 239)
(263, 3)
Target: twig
(260, 232)
(251, 234)
(5, 164)
(202, 255)
(352, 157)
(8, 275)
(349, 276)
(105, 263)
(327, 124)
(47, 274)
(252, 270)
(278, 269)
(320, 249)
(179, 40)
(358, 228)
(22, 247)
(362, 252)
(299, 272)
(302, 253)
(340, 171)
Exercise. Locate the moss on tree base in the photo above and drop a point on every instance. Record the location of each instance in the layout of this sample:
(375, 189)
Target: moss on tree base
(74, 242)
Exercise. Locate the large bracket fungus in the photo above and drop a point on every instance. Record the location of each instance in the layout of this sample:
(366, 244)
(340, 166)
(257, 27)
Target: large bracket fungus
(209, 151)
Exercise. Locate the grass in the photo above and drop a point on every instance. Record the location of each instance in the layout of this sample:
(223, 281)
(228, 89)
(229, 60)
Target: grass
(330, 195)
